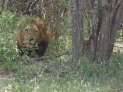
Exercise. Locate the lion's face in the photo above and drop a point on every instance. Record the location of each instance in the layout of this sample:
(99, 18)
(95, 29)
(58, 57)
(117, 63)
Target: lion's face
(31, 35)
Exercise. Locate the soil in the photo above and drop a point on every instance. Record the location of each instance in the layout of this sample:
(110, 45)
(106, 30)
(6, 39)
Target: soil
(5, 79)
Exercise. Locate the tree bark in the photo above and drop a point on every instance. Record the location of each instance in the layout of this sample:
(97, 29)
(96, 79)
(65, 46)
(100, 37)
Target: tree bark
(3, 5)
(77, 28)
(109, 18)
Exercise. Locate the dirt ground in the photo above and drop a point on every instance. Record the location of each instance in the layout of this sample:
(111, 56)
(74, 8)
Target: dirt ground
(5, 79)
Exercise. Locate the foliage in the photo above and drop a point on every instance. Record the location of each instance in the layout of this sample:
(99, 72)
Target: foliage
(120, 33)
(8, 18)
(8, 53)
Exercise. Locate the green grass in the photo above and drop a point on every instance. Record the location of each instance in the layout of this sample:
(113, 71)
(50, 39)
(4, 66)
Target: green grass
(42, 84)
(57, 74)
(105, 77)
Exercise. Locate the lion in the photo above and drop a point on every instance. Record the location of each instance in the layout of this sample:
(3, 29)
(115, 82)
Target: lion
(33, 37)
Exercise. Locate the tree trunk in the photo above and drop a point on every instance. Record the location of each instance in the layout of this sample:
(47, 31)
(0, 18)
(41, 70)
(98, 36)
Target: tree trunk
(3, 5)
(109, 17)
(77, 28)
